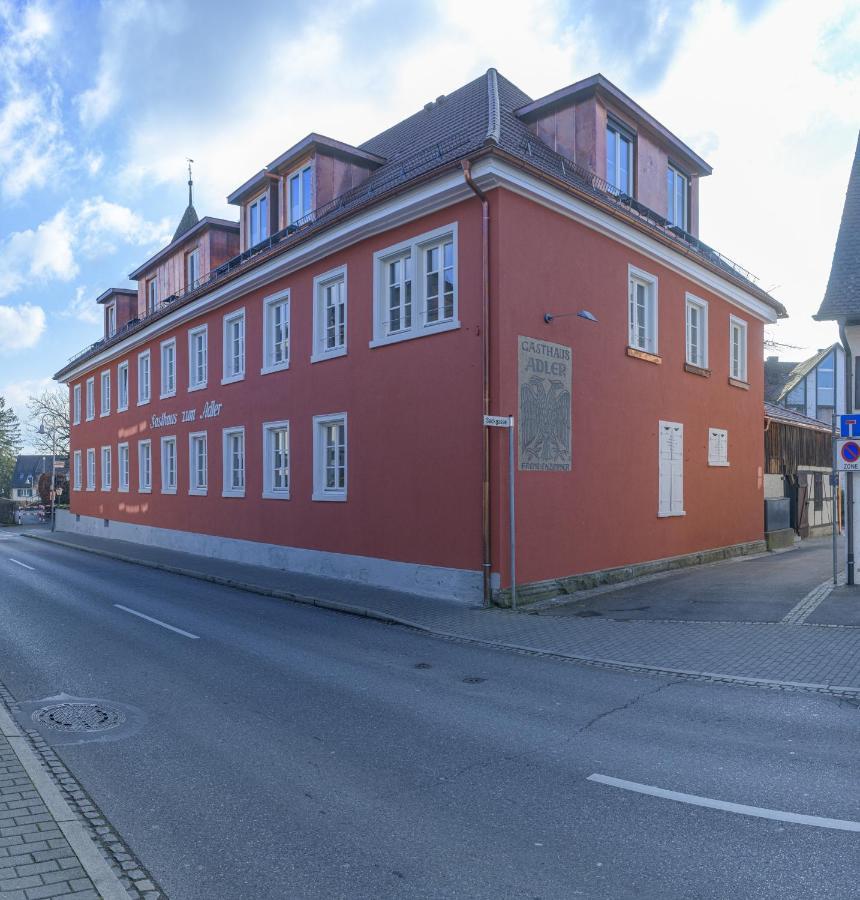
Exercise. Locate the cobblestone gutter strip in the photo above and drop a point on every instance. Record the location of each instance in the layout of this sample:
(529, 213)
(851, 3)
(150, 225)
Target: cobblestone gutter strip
(442, 629)
(54, 840)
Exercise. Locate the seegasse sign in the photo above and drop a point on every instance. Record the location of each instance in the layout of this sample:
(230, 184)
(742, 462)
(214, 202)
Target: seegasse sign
(211, 408)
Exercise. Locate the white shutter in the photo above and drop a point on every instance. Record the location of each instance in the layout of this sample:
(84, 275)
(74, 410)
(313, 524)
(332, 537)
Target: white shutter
(671, 474)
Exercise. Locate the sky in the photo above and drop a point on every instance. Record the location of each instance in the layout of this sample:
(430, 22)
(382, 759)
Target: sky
(101, 104)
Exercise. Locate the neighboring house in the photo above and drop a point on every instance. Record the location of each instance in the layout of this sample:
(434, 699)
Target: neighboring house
(28, 470)
(308, 391)
(776, 374)
(798, 455)
(816, 386)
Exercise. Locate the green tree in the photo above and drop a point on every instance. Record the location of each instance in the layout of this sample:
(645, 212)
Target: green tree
(10, 445)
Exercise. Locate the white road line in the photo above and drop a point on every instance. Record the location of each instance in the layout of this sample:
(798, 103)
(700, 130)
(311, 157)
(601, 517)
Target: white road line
(18, 563)
(799, 613)
(757, 811)
(134, 612)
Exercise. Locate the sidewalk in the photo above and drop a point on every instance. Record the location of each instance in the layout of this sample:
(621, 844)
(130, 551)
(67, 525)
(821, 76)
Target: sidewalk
(799, 656)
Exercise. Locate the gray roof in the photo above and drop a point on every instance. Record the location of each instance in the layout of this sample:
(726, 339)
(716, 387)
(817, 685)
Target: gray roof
(842, 297)
(186, 223)
(790, 417)
(802, 369)
(776, 373)
(32, 466)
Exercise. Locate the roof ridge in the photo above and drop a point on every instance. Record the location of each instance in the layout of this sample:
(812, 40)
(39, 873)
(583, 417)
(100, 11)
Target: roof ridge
(494, 115)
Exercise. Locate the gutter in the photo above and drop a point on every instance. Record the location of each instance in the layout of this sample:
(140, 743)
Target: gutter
(849, 476)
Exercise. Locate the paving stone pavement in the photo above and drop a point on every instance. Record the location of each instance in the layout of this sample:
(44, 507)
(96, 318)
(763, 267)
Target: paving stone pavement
(787, 656)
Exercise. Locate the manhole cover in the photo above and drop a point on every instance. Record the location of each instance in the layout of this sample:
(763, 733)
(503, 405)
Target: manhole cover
(78, 717)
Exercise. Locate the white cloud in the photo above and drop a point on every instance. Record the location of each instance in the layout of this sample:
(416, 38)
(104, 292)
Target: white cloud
(20, 326)
(82, 308)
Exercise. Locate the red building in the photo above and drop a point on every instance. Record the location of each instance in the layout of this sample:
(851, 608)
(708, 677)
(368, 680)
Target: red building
(306, 388)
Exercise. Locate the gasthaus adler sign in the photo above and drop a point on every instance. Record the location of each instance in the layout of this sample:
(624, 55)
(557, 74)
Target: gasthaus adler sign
(545, 407)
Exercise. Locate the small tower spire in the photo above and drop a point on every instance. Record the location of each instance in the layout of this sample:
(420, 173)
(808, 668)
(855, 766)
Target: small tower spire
(190, 181)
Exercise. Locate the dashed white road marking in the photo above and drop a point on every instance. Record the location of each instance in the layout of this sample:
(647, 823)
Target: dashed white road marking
(24, 565)
(741, 808)
(134, 612)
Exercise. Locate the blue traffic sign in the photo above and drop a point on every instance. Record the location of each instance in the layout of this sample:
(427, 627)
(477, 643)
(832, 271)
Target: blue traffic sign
(849, 426)
(850, 451)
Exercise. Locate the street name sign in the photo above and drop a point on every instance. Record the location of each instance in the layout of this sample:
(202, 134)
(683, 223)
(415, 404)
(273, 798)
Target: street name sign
(499, 421)
(848, 456)
(849, 426)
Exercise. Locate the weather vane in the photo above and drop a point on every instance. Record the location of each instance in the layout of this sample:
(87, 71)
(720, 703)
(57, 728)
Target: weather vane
(190, 182)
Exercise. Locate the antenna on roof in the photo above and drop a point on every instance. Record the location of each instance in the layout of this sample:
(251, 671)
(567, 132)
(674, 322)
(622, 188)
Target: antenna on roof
(190, 182)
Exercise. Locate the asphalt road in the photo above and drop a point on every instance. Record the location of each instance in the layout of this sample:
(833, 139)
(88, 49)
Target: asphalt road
(292, 752)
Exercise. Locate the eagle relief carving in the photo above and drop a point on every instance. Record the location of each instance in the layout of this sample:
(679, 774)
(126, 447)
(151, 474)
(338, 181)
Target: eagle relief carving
(545, 406)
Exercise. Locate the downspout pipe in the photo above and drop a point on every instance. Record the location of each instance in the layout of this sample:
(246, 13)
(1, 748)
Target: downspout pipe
(849, 495)
(486, 557)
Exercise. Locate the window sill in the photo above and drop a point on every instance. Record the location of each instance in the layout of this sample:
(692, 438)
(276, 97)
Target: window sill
(198, 387)
(120, 409)
(168, 490)
(167, 396)
(232, 494)
(143, 402)
(329, 354)
(415, 333)
(104, 415)
(122, 490)
(144, 490)
(736, 382)
(269, 370)
(90, 488)
(644, 356)
(231, 379)
(697, 370)
(671, 515)
(197, 492)
(105, 490)
(719, 465)
(329, 496)
(276, 495)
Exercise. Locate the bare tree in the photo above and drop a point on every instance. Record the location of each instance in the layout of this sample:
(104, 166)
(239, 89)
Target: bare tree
(51, 409)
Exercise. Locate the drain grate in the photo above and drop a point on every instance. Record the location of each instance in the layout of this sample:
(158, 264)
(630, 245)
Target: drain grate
(78, 717)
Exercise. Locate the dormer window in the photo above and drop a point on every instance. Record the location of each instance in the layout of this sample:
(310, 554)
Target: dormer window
(258, 220)
(677, 191)
(300, 185)
(619, 158)
(151, 295)
(192, 268)
(110, 322)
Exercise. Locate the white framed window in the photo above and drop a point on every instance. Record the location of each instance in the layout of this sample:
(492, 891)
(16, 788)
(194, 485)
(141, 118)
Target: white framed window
(106, 468)
(122, 386)
(697, 331)
(91, 398)
(144, 466)
(104, 394)
(300, 185)
(77, 470)
(671, 470)
(91, 469)
(276, 332)
(677, 192)
(198, 358)
(192, 268)
(110, 323)
(642, 310)
(234, 346)
(198, 464)
(152, 295)
(737, 349)
(330, 457)
(415, 287)
(168, 368)
(76, 405)
(233, 484)
(122, 460)
(619, 158)
(276, 460)
(718, 447)
(144, 378)
(258, 220)
(330, 292)
(168, 465)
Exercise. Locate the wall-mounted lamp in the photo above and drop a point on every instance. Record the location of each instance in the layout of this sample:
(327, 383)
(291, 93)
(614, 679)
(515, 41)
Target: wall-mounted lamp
(582, 314)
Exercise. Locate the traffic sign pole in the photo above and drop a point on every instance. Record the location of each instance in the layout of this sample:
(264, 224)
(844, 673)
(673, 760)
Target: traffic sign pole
(834, 489)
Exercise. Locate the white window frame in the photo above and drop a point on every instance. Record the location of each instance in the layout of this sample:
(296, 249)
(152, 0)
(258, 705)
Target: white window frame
(289, 182)
(640, 276)
(701, 306)
(144, 484)
(269, 490)
(322, 283)
(91, 468)
(671, 204)
(110, 311)
(191, 283)
(612, 178)
(151, 294)
(143, 399)
(320, 492)
(169, 440)
(166, 389)
(718, 447)
(123, 467)
(413, 248)
(228, 377)
(76, 404)
(77, 473)
(195, 384)
(194, 488)
(122, 401)
(106, 465)
(91, 398)
(104, 395)
(669, 506)
(269, 303)
(227, 489)
(262, 221)
(739, 325)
